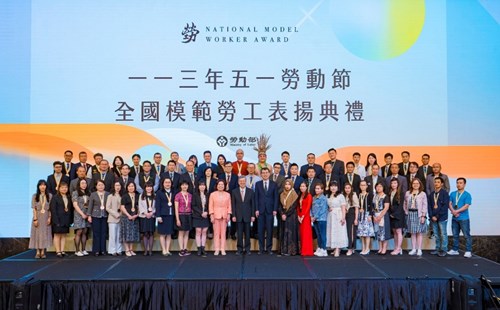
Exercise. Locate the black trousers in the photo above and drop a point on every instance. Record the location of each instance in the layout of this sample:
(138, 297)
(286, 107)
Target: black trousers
(351, 229)
(243, 228)
(99, 232)
(266, 222)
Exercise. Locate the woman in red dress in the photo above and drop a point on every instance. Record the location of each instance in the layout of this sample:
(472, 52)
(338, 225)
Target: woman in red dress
(304, 216)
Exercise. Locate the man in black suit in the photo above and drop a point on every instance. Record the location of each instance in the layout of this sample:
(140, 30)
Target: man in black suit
(404, 166)
(207, 156)
(337, 165)
(80, 175)
(285, 165)
(311, 159)
(172, 175)
(277, 177)
(243, 213)
(136, 167)
(103, 174)
(82, 156)
(266, 197)
(67, 165)
(373, 179)
(328, 177)
(395, 174)
(56, 178)
(296, 178)
(386, 169)
(190, 177)
(413, 174)
(425, 169)
(311, 180)
(95, 168)
(157, 166)
(231, 183)
(351, 178)
(125, 178)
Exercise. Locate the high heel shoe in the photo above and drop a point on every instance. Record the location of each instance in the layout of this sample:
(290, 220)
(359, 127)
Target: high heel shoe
(394, 253)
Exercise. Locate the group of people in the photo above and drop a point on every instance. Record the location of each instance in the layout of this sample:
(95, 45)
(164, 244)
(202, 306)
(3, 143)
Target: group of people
(123, 203)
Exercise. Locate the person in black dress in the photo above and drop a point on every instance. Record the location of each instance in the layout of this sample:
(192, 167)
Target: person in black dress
(164, 203)
(61, 211)
(147, 219)
(129, 223)
(397, 215)
(201, 221)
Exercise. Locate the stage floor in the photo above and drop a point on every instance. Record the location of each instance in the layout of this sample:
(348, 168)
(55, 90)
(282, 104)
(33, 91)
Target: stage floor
(243, 282)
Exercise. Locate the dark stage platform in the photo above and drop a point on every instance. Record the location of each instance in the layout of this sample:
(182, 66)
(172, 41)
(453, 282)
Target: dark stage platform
(244, 282)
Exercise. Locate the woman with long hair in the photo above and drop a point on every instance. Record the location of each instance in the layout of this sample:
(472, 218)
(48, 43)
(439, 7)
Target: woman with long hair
(365, 217)
(336, 230)
(114, 215)
(80, 198)
(147, 219)
(289, 238)
(381, 219)
(304, 218)
(61, 211)
(371, 160)
(41, 231)
(415, 207)
(397, 215)
(201, 220)
(351, 218)
(129, 224)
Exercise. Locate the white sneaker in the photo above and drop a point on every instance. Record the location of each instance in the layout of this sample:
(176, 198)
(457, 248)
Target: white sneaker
(317, 251)
(452, 252)
(324, 253)
(79, 253)
(468, 255)
(419, 252)
(412, 252)
(85, 253)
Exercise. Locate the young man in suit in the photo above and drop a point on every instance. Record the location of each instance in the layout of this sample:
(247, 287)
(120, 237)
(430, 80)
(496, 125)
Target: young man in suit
(386, 169)
(105, 175)
(68, 165)
(266, 197)
(125, 178)
(328, 177)
(136, 166)
(337, 165)
(351, 178)
(158, 167)
(207, 156)
(404, 166)
(311, 179)
(395, 174)
(243, 213)
(56, 178)
(425, 169)
(172, 175)
(277, 177)
(373, 179)
(296, 178)
(285, 165)
(413, 173)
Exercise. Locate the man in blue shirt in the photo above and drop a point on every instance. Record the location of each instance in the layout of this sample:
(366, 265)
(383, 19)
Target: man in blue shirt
(460, 201)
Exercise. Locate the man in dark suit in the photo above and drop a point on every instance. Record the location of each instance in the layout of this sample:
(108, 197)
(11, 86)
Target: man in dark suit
(105, 175)
(351, 178)
(157, 166)
(413, 174)
(207, 156)
(425, 169)
(296, 178)
(266, 197)
(82, 156)
(147, 176)
(404, 166)
(311, 159)
(136, 167)
(80, 175)
(386, 169)
(243, 213)
(328, 177)
(172, 175)
(395, 174)
(337, 165)
(311, 180)
(277, 177)
(125, 178)
(231, 180)
(373, 179)
(95, 168)
(190, 177)
(285, 165)
(67, 164)
(56, 178)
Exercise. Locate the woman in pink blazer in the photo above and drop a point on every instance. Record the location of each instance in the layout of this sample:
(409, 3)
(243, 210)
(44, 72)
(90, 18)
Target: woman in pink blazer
(219, 208)
(415, 207)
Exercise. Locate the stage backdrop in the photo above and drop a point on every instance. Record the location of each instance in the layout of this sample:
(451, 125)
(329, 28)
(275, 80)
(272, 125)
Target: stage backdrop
(120, 77)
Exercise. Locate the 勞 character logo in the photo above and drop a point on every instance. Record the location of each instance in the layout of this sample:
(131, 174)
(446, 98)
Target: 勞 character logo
(189, 33)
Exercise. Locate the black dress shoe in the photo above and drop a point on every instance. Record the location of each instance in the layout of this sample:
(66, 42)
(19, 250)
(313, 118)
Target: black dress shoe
(96, 253)
(271, 253)
(238, 253)
(260, 252)
(248, 253)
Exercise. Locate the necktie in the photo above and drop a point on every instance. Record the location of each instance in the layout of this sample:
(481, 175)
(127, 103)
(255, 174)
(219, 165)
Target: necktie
(293, 179)
(386, 170)
(350, 178)
(327, 180)
(227, 179)
(171, 176)
(425, 170)
(405, 168)
(67, 166)
(251, 179)
(242, 195)
(412, 176)
(158, 168)
(103, 175)
(192, 178)
(137, 170)
(124, 180)
(265, 186)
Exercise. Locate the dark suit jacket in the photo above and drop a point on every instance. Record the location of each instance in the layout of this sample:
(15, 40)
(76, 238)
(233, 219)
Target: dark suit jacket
(317, 168)
(332, 178)
(73, 184)
(243, 210)
(385, 175)
(266, 202)
(197, 207)
(72, 173)
(356, 179)
(298, 181)
(371, 183)
(279, 180)
(202, 167)
(191, 186)
(420, 177)
(51, 183)
(402, 183)
(123, 184)
(65, 171)
(175, 181)
(132, 173)
(338, 168)
(153, 168)
(402, 171)
(312, 185)
(233, 181)
(161, 203)
(59, 217)
(282, 171)
(109, 180)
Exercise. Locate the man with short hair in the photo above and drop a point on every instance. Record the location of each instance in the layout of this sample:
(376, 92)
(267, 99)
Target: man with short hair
(266, 198)
(311, 163)
(338, 168)
(190, 177)
(277, 177)
(95, 168)
(386, 169)
(240, 167)
(351, 178)
(105, 175)
(80, 175)
(136, 167)
(252, 177)
(158, 167)
(436, 172)
(67, 165)
(285, 165)
(359, 169)
(243, 213)
(425, 169)
(179, 168)
(404, 166)
(295, 177)
(438, 204)
(82, 157)
(124, 178)
(56, 178)
(172, 175)
(207, 157)
(413, 174)
(460, 202)
(395, 175)
(373, 179)
(311, 180)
